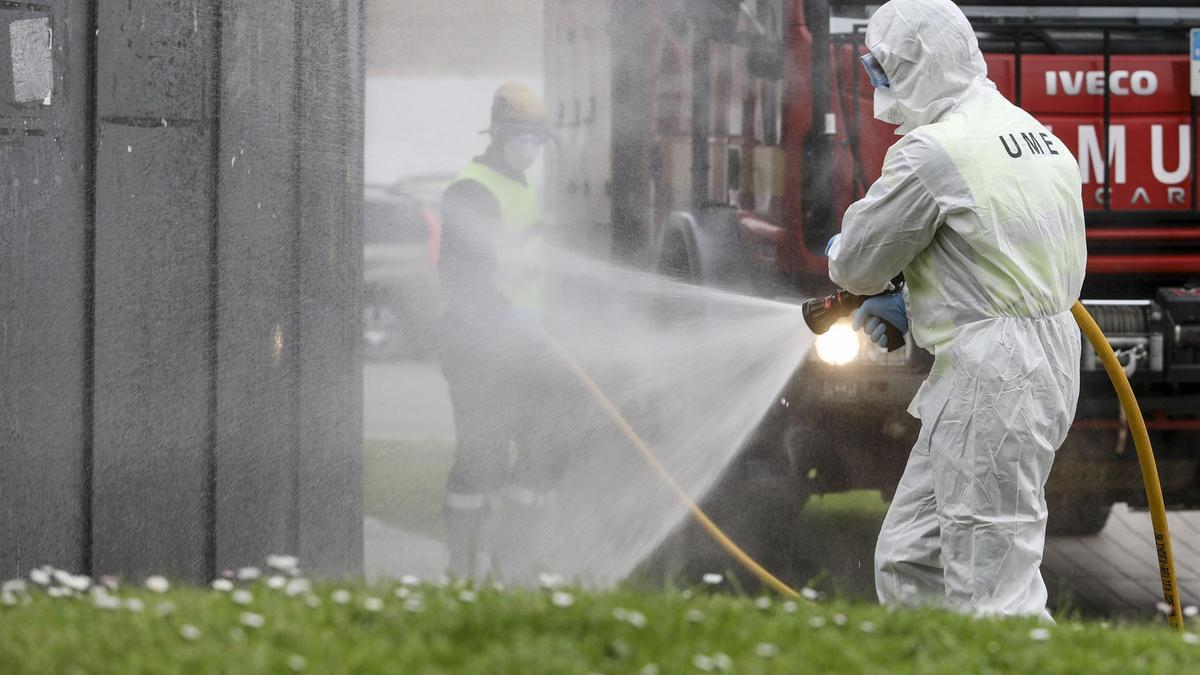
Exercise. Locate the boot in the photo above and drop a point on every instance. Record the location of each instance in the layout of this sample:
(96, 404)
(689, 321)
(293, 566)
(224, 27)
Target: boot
(465, 516)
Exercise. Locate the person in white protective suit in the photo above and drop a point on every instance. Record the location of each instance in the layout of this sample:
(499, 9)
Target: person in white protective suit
(979, 206)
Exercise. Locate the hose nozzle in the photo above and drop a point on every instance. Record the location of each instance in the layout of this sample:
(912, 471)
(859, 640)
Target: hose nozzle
(821, 313)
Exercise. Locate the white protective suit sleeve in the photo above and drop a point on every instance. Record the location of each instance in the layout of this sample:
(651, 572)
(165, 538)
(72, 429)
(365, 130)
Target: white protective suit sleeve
(887, 228)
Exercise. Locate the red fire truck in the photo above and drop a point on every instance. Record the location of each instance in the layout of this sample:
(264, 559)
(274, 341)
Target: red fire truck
(720, 141)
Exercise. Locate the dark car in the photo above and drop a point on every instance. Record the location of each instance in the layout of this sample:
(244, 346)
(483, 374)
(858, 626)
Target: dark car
(401, 236)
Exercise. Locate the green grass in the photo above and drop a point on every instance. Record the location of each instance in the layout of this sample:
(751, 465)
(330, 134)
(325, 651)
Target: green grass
(404, 481)
(538, 632)
(852, 505)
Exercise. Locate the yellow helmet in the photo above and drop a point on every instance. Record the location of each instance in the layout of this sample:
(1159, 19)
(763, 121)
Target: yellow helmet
(516, 109)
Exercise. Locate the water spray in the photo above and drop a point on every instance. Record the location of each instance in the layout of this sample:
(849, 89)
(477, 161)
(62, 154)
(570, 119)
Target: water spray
(648, 456)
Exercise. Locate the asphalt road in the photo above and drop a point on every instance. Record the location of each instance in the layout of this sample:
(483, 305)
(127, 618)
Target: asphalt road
(405, 400)
(1113, 573)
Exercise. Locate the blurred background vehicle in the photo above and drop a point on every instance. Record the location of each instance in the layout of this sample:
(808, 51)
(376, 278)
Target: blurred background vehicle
(401, 237)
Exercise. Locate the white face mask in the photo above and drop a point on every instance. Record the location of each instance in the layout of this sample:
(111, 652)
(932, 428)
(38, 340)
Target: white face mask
(887, 108)
(521, 152)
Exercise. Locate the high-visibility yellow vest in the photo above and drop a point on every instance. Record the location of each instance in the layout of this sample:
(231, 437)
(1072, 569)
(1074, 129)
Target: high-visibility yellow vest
(519, 241)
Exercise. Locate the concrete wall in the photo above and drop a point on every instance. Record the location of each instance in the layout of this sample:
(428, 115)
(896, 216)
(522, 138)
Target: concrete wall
(179, 366)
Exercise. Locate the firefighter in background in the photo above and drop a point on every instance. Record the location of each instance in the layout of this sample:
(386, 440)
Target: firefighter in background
(492, 356)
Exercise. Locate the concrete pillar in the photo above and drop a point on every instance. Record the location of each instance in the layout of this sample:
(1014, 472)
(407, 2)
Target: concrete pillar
(45, 249)
(211, 294)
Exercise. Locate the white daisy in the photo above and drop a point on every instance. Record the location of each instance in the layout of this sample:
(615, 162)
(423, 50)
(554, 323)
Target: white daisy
(78, 582)
(158, 584)
(766, 650)
(550, 581)
(283, 563)
(297, 586)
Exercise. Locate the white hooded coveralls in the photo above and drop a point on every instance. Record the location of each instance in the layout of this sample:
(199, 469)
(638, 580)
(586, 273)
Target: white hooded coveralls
(979, 206)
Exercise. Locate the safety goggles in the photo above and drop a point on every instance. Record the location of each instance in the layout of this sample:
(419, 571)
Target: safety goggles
(874, 71)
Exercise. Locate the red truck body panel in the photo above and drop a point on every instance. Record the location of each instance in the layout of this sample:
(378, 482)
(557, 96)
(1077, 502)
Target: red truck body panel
(1152, 148)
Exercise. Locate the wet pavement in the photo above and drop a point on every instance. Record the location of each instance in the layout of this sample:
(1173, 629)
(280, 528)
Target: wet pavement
(393, 553)
(1115, 573)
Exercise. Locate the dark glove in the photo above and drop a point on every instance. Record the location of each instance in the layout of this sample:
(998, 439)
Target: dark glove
(875, 311)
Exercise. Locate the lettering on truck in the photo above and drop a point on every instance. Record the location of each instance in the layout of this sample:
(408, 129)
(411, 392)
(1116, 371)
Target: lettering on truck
(1170, 178)
(1091, 82)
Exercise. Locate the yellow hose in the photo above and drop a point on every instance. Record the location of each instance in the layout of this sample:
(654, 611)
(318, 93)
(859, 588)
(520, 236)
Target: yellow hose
(1141, 441)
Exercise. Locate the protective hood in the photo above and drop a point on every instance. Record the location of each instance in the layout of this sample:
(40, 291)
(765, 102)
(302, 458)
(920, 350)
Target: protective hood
(929, 52)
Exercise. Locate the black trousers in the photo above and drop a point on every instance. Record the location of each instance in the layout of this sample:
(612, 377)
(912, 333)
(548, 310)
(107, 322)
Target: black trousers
(513, 416)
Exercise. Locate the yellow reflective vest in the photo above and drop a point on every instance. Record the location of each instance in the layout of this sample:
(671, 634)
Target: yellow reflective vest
(519, 241)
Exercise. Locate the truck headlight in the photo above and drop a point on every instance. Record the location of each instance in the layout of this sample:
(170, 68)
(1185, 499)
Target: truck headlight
(838, 346)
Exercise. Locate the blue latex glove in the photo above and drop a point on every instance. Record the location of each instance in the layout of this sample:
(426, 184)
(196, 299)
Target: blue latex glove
(832, 242)
(874, 311)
